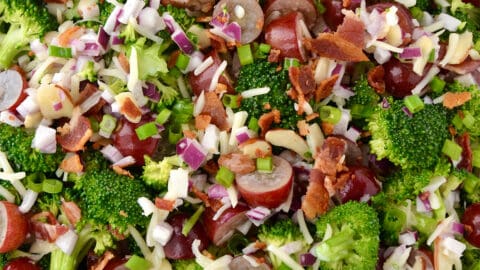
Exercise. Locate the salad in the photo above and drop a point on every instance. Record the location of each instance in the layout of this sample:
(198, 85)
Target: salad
(239, 134)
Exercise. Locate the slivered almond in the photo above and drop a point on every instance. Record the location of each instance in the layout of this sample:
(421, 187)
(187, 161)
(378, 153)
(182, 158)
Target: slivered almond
(128, 107)
(288, 139)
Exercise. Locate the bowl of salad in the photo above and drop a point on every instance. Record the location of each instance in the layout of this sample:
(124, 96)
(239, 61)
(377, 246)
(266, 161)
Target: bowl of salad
(239, 134)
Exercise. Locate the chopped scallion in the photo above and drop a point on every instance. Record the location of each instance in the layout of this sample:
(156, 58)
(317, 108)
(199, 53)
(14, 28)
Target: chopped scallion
(187, 227)
(330, 114)
(35, 181)
(52, 186)
(457, 121)
(137, 263)
(290, 62)
(225, 177)
(59, 51)
(264, 48)
(245, 54)
(163, 116)
(414, 103)
(452, 149)
(182, 61)
(265, 164)
(437, 84)
(94, 124)
(146, 131)
(253, 124)
(231, 101)
(175, 133)
(107, 125)
(468, 119)
(476, 158)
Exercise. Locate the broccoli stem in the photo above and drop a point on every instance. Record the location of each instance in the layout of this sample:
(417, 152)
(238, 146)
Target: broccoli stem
(12, 43)
(61, 261)
(338, 247)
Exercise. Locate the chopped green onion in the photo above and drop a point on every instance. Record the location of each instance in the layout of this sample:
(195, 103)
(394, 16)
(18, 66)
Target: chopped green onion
(468, 119)
(457, 121)
(452, 149)
(137, 263)
(35, 181)
(264, 48)
(431, 56)
(290, 62)
(146, 131)
(253, 124)
(94, 123)
(476, 158)
(59, 51)
(437, 84)
(417, 13)
(163, 116)
(414, 103)
(107, 125)
(330, 114)
(187, 227)
(182, 61)
(245, 54)
(52, 186)
(231, 101)
(359, 111)
(175, 133)
(265, 164)
(225, 177)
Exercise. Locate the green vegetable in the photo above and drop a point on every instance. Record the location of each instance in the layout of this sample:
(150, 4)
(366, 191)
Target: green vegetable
(452, 149)
(137, 263)
(414, 103)
(264, 164)
(187, 227)
(156, 174)
(52, 186)
(245, 54)
(224, 176)
(188, 264)
(470, 122)
(471, 258)
(354, 241)
(408, 141)
(362, 104)
(330, 114)
(146, 130)
(89, 72)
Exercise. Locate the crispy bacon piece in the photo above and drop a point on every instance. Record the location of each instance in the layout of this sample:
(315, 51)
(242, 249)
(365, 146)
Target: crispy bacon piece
(302, 79)
(335, 47)
(325, 88)
(352, 30)
(274, 56)
(237, 163)
(164, 204)
(121, 171)
(46, 227)
(212, 203)
(103, 261)
(452, 100)
(376, 80)
(72, 211)
(124, 63)
(265, 121)
(316, 199)
(72, 164)
(467, 156)
(202, 121)
(331, 157)
(130, 110)
(68, 35)
(302, 127)
(214, 107)
(79, 132)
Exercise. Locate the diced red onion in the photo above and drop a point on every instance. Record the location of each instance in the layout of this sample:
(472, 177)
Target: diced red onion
(292, 247)
(458, 228)
(78, 45)
(151, 20)
(11, 119)
(258, 213)
(385, 103)
(411, 52)
(454, 246)
(162, 233)
(242, 134)
(407, 112)
(170, 22)
(423, 204)
(194, 155)
(233, 30)
(38, 47)
(196, 59)
(182, 144)
(427, 100)
(408, 238)
(111, 153)
(181, 39)
(91, 49)
(250, 248)
(352, 134)
(340, 128)
(117, 40)
(131, 9)
(220, 20)
(91, 101)
(340, 91)
(307, 259)
(217, 191)
(337, 69)
(66, 242)
(199, 181)
(151, 92)
(103, 38)
(45, 139)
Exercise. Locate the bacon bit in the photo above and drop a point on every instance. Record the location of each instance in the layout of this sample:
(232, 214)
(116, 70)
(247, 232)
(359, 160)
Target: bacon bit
(335, 47)
(302, 127)
(123, 60)
(467, 155)
(346, 3)
(72, 211)
(173, 59)
(217, 43)
(267, 106)
(128, 107)
(311, 116)
(237, 163)
(56, 1)
(452, 131)
(325, 88)
(451, 100)
(164, 204)
(68, 35)
(331, 156)
(101, 143)
(208, 254)
(189, 134)
(121, 171)
(302, 79)
(316, 199)
(221, 88)
(77, 136)
(212, 203)
(260, 245)
(301, 102)
(72, 164)
(116, 233)
(265, 121)
(292, 94)
(327, 128)
(376, 80)
(352, 29)
(123, 213)
(274, 56)
(211, 167)
(214, 107)
(46, 227)
(86, 92)
(202, 121)
(103, 261)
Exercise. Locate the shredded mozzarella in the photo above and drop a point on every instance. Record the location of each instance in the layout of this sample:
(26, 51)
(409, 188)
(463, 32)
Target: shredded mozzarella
(216, 75)
(203, 66)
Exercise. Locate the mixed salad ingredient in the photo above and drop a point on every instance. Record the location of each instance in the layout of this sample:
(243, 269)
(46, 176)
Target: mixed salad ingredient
(270, 134)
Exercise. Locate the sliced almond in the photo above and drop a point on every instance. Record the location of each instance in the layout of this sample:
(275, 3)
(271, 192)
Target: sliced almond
(255, 148)
(128, 107)
(465, 42)
(288, 139)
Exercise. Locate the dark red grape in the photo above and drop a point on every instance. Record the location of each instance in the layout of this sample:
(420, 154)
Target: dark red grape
(180, 246)
(400, 78)
(361, 182)
(471, 220)
(21, 264)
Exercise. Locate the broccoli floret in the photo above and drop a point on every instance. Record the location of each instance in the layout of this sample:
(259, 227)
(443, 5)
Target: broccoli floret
(29, 20)
(16, 143)
(409, 140)
(470, 188)
(156, 174)
(188, 264)
(150, 60)
(470, 16)
(467, 118)
(89, 72)
(264, 74)
(364, 100)
(3, 260)
(279, 233)
(168, 94)
(129, 34)
(354, 240)
(471, 258)
(406, 184)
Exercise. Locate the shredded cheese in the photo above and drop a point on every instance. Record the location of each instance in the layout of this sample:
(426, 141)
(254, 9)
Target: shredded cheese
(203, 66)
(216, 75)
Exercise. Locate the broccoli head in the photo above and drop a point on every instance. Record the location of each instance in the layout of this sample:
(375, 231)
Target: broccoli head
(156, 174)
(470, 17)
(409, 140)
(354, 239)
(16, 143)
(187, 264)
(467, 118)
(471, 258)
(28, 20)
(365, 99)
(470, 188)
(265, 74)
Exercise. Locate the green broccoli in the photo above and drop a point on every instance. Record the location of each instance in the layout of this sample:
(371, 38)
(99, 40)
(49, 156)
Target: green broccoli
(470, 17)
(89, 72)
(3, 260)
(168, 94)
(156, 174)
(279, 233)
(188, 264)
(467, 118)
(470, 191)
(364, 100)
(264, 74)
(354, 239)
(471, 258)
(16, 143)
(150, 60)
(28, 20)
(409, 140)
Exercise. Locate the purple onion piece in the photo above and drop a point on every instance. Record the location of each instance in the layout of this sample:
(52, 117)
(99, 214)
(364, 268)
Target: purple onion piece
(217, 191)
(194, 155)
(103, 38)
(182, 144)
(151, 92)
(385, 103)
(233, 30)
(407, 112)
(181, 39)
(117, 40)
(307, 259)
